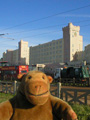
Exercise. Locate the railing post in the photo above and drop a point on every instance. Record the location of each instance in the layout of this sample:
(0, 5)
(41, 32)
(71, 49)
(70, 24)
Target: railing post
(59, 89)
(86, 99)
(75, 96)
(15, 86)
(66, 97)
(61, 94)
(89, 81)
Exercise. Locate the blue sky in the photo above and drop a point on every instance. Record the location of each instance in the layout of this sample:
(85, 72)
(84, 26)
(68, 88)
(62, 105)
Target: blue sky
(40, 21)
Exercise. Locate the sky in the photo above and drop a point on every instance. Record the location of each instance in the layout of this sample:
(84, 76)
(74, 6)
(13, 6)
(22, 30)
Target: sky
(41, 21)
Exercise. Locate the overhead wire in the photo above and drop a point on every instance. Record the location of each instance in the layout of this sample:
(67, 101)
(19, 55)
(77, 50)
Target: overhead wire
(46, 17)
(43, 19)
(45, 27)
(85, 25)
(44, 33)
(7, 38)
(37, 35)
(51, 32)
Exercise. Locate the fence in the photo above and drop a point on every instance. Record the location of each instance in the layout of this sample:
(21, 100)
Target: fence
(67, 94)
(11, 87)
(80, 95)
(55, 89)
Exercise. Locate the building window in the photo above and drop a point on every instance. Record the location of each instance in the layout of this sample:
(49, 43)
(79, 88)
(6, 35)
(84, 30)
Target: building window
(72, 45)
(72, 50)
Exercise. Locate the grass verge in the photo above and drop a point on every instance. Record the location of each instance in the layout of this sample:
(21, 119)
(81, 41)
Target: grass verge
(81, 110)
(4, 97)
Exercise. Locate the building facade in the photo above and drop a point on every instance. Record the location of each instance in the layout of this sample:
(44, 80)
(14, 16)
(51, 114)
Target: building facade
(73, 41)
(58, 51)
(15, 57)
(87, 53)
(8, 56)
(11, 56)
(79, 56)
(50, 52)
(18, 56)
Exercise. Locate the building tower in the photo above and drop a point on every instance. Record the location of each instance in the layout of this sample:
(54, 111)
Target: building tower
(73, 42)
(23, 53)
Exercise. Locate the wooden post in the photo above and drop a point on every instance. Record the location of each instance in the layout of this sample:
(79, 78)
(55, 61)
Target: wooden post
(75, 96)
(66, 97)
(59, 89)
(86, 99)
(15, 86)
(89, 81)
(6, 87)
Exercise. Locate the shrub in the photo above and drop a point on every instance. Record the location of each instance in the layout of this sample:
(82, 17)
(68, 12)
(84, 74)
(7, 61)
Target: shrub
(82, 111)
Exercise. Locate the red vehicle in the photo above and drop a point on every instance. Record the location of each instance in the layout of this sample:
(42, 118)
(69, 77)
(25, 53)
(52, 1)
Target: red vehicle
(11, 72)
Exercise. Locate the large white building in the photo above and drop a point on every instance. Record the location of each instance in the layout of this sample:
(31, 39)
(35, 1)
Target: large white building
(58, 51)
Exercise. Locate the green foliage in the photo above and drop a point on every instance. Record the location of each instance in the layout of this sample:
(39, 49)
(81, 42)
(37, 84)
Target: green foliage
(82, 111)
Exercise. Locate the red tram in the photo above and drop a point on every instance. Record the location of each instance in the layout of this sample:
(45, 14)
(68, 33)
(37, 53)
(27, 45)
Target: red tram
(11, 72)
